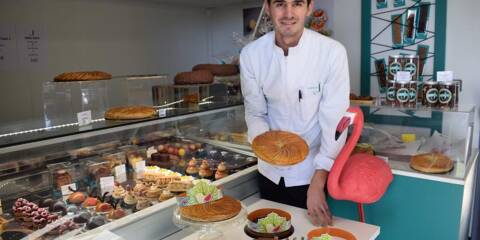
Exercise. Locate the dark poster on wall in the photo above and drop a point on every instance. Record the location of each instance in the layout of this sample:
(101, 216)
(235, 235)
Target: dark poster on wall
(250, 17)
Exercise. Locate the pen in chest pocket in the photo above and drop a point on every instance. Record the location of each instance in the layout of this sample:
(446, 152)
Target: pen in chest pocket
(299, 95)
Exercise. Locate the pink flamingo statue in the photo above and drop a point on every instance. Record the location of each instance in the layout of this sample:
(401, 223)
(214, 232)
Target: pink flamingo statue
(359, 178)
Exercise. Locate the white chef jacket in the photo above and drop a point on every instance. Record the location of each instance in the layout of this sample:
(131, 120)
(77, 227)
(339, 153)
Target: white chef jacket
(306, 92)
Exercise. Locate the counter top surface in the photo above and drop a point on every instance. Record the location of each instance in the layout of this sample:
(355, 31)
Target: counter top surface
(300, 221)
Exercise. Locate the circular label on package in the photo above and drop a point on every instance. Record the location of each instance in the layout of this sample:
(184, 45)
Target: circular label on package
(395, 67)
(413, 94)
(403, 95)
(444, 95)
(432, 95)
(410, 67)
(391, 94)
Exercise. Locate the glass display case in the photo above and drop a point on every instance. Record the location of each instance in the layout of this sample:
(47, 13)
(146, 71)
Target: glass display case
(57, 169)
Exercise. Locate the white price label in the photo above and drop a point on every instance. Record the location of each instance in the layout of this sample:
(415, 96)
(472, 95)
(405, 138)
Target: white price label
(107, 184)
(84, 118)
(66, 189)
(140, 169)
(403, 76)
(162, 112)
(121, 173)
(445, 76)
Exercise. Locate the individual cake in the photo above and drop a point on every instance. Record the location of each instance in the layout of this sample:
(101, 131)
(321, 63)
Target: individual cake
(183, 185)
(142, 203)
(103, 208)
(161, 160)
(194, 77)
(280, 148)
(153, 193)
(129, 201)
(62, 178)
(46, 203)
(59, 207)
(76, 198)
(165, 195)
(222, 171)
(90, 203)
(117, 214)
(118, 192)
(192, 168)
(95, 222)
(139, 188)
(205, 171)
(82, 217)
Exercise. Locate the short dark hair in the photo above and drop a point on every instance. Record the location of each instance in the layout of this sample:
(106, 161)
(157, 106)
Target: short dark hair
(308, 2)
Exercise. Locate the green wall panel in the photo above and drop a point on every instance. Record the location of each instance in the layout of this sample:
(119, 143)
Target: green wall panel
(411, 209)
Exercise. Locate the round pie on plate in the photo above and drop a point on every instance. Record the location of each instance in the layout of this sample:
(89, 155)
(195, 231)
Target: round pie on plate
(215, 211)
(280, 148)
(129, 113)
(431, 163)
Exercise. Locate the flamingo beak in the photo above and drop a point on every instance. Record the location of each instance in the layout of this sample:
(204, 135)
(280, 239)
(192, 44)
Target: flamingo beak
(343, 124)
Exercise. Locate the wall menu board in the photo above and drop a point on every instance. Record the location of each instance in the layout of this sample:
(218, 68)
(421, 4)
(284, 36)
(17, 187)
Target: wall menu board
(401, 27)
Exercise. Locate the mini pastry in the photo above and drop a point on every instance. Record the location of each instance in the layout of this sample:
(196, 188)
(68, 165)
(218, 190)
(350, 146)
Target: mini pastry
(62, 178)
(90, 202)
(205, 171)
(222, 171)
(117, 214)
(153, 192)
(95, 222)
(60, 207)
(76, 198)
(192, 168)
(118, 192)
(139, 188)
(142, 203)
(83, 217)
(46, 203)
(129, 201)
(165, 195)
(104, 208)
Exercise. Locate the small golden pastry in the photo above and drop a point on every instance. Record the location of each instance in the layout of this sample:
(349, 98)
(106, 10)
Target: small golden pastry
(205, 171)
(363, 148)
(165, 195)
(153, 192)
(129, 113)
(82, 76)
(142, 203)
(129, 201)
(431, 163)
(192, 167)
(222, 171)
(139, 188)
(118, 191)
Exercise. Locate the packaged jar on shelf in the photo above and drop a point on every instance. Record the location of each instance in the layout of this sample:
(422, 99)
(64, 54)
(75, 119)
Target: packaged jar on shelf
(446, 94)
(391, 93)
(411, 65)
(395, 64)
(430, 94)
(413, 94)
(402, 94)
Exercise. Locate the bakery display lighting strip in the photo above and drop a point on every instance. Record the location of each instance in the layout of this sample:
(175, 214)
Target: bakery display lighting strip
(46, 128)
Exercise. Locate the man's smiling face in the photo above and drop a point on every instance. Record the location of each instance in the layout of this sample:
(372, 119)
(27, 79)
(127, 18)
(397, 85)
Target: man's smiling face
(288, 16)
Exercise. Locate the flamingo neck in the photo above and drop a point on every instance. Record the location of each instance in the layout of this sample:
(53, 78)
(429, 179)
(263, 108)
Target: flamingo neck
(347, 149)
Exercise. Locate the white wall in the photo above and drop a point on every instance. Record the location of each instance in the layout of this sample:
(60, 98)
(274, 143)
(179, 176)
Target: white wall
(117, 36)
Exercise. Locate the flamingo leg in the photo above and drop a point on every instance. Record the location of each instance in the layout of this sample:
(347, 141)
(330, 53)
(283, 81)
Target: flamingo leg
(361, 213)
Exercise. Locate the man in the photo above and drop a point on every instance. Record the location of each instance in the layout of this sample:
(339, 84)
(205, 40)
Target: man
(296, 80)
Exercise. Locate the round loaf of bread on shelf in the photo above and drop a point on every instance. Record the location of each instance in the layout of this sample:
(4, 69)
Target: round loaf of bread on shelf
(82, 76)
(194, 77)
(218, 69)
(129, 113)
(280, 148)
(431, 163)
